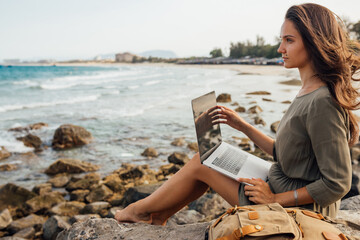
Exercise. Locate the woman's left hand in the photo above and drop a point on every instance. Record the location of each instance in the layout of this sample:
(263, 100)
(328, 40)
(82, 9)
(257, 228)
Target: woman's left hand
(259, 191)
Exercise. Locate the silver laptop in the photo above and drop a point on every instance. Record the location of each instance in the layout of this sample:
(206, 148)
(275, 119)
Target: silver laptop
(219, 155)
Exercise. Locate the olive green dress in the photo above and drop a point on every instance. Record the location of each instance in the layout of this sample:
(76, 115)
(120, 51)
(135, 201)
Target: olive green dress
(311, 150)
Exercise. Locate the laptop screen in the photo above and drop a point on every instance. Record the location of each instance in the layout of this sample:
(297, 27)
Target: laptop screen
(208, 135)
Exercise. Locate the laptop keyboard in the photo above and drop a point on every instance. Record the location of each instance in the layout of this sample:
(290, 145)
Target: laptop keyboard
(230, 160)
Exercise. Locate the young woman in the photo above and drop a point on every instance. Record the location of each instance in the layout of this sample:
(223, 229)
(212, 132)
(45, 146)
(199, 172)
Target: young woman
(311, 150)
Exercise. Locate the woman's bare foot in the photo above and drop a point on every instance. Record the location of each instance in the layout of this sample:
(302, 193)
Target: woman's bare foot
(157, 219)
(130, 215)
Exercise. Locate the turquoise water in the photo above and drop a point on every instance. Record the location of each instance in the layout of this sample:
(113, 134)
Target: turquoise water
(126, 108)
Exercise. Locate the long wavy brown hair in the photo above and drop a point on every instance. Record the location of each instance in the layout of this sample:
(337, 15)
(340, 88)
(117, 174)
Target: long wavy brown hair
(333, 55)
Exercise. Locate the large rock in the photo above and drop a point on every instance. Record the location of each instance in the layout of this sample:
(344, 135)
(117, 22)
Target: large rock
(69, 136)
(83, 218)
(32, 141)
(258, 93)
(104, 229)
(100, 193)
(66, 165)
(95, 208)
(44, 202)
(42, 188)
(7, 167)
(352, 203)
(83, 183)
(187, 217)
(114, 182)
(59, 181)
(193, 146)
(240, 109)
(223, 98)
(178, 158)
(150, 152)
(178, 142)
(4, 153)
(210, 205)
(258, 120)
(34, 126)
(26, 233)
(79, 195)
(169, 169)
(13, 195)
(255, 109)
(30, 221)
(139, 192)
(274, 126)
(67, 208)
(5, 218)
(53, 226)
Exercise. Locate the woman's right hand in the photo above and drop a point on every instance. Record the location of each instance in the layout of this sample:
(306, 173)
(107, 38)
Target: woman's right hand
(228, 116)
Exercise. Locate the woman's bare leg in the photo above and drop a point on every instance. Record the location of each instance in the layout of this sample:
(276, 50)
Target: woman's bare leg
(185, 186)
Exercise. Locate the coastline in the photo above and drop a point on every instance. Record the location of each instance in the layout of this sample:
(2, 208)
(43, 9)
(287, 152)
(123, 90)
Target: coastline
(242, 69)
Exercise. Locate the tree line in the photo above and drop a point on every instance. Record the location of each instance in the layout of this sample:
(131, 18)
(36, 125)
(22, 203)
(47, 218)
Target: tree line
(260, 49)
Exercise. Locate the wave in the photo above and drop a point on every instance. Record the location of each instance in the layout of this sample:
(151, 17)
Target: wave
(15, 107)
(149, 83)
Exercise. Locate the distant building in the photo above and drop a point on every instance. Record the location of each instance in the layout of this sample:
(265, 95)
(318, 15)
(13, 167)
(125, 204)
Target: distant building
(124, 57)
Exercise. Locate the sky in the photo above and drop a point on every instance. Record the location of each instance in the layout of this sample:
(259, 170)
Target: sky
(82, 29)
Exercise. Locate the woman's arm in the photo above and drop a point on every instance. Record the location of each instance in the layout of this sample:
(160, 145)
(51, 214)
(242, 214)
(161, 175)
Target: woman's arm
(259, 192)
(230, 117)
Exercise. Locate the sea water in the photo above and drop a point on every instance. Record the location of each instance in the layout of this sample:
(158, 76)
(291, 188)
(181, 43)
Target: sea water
(126, 108)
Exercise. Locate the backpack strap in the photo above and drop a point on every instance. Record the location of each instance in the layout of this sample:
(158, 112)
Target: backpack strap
(333, 236)
(242, 232)
(231, 211)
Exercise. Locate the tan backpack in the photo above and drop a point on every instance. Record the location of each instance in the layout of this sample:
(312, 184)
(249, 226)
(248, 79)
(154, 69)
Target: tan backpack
(272, 221)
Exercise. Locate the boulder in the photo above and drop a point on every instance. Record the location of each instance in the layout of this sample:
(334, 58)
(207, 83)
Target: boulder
(351, 226)
(82, 218)
(59, 181)
(30, 221)
(42, 188)
(193, 146)
(187, 217)
(133, 173)
(178, 158)
(95, 208)
(5, 218)
(245, 144)
(113, 210)
(7, 167)
(34, 126)
(293, 82)
(258, 120)
(65, 165)
(100, 193)
(4, 153)
(286, 102)
(258, 93)
(150, 152)
(255, 109)
(169, 169)
(139, 192)
(26, 233)
(223, 98)
(87, 182)
(274, 126)
(178, 142)
(352, 203)
(79, 195)
(44, 202)
(211, 205)
(104, 229)
(114, 182)
(267, 100)
(13, 195)
(32, 141)
(69, 136)
(240, 109)
(67, 208)
(53, 226)
(235, 104)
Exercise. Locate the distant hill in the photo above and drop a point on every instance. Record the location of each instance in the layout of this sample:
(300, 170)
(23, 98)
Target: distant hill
(158, 53)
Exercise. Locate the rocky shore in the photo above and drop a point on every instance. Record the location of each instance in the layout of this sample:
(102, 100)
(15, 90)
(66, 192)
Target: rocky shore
(78, 203)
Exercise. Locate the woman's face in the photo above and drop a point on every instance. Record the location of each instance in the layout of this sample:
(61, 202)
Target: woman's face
(292, 47)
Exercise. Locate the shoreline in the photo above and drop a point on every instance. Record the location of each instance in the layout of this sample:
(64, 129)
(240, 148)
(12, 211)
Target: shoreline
(242, 69)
